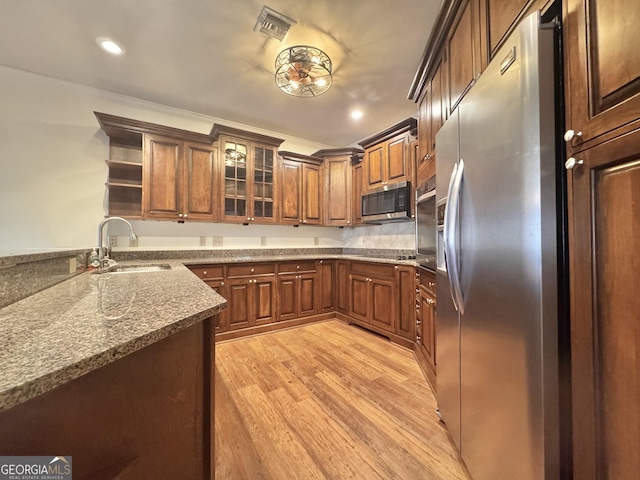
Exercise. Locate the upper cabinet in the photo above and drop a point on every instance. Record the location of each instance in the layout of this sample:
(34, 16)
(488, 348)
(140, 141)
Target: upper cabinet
(463, 48)
(602, 61)
(502, 17)
(301, 199)
(340, 191)
(249, 174)
(179, 180)
(176, 170)
(387, 156)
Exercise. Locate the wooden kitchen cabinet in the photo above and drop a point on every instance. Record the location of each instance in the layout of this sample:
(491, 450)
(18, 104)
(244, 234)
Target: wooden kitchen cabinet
(301, 198)
(339, 184)
(604, 221)
(298, 289)
(464, 52)
(214, 277)
(602, 68)
(251, 294)
(249, 175)
(387, 158)
(179, 180)
(357, 181)
(326, 269)
(147, 415)
(372, 290)
(406, 292)
(342, 286)
(425, 315)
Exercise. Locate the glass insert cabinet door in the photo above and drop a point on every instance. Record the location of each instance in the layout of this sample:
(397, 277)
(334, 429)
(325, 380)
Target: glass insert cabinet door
(235, 179)
(263, 191)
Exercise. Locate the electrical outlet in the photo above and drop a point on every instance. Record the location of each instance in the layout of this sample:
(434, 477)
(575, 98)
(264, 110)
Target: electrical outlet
(216, 241)
(203, 241)
(113, 240)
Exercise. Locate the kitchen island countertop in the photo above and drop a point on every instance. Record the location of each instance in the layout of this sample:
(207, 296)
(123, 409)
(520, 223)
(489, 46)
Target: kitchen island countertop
(90, 320)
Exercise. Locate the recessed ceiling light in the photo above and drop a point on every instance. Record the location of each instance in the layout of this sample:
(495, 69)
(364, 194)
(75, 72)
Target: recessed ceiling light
(356, 114)
(109, 45)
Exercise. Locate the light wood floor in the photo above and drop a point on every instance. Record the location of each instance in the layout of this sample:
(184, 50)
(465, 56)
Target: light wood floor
(326, 401)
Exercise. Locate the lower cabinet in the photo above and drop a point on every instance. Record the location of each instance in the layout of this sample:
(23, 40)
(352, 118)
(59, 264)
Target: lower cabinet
(425, 338)
(146, 415)
(382, 297)
(298, 290)
(251, 295)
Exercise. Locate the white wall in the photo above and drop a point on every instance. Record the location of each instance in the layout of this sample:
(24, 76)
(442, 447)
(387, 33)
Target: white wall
(52, 175)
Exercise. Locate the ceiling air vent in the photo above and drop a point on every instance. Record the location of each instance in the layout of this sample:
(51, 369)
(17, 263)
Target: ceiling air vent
(273, 24)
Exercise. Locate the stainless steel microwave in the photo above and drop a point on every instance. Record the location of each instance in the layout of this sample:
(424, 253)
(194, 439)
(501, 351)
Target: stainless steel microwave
(389, 203)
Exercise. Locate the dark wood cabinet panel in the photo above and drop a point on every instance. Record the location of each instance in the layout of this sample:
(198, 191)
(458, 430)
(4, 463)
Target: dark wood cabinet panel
(374, 160)
(438, 103)
(161, 180)
(290, 198)
(424, 127)
(464, 52)
(338, 189)
(398, 167)
(602, 66)
(502, 15)
(147, 415)
(179, 180)
(356, 202)
(199, 191)
(238, 303)
(312, 197)
(287, 298)
(359, 297)
(264, 300)
(308, 285)
(604, 227)
(327, 295)
(407, 294)
(383, 303)
(342, 286)
(428, 337)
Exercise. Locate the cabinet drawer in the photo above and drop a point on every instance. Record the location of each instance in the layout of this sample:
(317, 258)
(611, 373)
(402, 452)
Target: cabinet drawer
(373, 269)
(208, 271)
(428, 281)
(249, 269)
(295, 267)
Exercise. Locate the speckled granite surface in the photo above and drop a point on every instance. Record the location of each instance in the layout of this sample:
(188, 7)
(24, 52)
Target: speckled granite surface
(25, 274)
(90, 320)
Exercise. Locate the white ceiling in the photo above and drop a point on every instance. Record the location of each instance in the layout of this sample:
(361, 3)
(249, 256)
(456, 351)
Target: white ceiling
(203, 56)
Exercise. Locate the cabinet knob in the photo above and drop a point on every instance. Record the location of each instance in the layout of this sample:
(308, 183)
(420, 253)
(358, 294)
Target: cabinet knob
(204, 273)
(431, 284)
(348, 222)
(185, 216)
(572, 162)
(571, 134)
(321, 261)
(222, 284)
(304, 221)
(248, 218)
(396, 267)
(180, 215)
(253, 270)
(253, 218)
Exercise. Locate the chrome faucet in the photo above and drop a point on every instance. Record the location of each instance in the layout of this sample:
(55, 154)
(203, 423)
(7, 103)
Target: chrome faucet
(102, 248)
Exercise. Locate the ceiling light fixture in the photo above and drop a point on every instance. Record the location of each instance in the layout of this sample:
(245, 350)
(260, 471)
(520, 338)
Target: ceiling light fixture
(303, 71)
(356, 114)
(109, 45)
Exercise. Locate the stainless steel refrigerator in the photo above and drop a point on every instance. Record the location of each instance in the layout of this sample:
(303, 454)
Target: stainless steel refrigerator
(497, 272)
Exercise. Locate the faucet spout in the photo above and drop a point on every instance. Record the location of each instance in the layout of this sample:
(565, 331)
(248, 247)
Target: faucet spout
(101, 234)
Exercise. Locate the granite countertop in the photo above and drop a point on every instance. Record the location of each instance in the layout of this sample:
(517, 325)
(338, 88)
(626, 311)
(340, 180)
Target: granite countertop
(90, 320)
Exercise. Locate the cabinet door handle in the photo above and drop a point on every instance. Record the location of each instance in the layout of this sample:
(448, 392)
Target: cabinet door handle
(572, 162)
(571, 134)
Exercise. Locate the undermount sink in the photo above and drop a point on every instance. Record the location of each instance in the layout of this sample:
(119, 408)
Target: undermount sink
(140, 268)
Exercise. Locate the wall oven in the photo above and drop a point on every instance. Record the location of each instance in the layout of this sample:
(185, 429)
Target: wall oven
(426, 225)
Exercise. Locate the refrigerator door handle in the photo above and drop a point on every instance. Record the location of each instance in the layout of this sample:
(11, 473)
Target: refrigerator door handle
(448, 254)
(453, 267)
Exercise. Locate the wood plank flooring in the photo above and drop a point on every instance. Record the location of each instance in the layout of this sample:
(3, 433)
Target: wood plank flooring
(326, 401)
